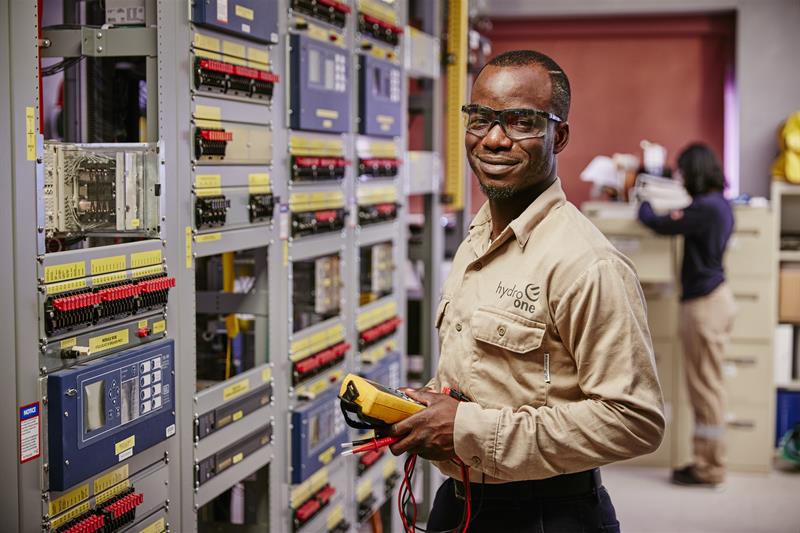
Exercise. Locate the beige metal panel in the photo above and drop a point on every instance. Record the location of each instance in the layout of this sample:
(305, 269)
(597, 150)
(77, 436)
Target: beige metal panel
(662, 311)
(755, 316)
(652, 256)
(750, 249)
(665, 362)
(749, 438)
(747, 369)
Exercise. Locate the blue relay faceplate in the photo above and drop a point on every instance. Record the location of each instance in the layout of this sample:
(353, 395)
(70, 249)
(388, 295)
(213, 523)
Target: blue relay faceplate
(386, 371)
(320, 85)
(318, 429)
(252, 19)
(380, 102)
(104, 411)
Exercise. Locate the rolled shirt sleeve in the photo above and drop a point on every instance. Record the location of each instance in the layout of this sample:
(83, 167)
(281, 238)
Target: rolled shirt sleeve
(601, 320)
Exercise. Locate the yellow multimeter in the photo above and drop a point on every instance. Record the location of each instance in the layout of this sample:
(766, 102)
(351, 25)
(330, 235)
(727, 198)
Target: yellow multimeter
(374, 405)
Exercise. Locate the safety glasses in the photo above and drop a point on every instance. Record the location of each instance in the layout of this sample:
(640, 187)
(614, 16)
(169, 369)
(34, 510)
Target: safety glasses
(517, 124)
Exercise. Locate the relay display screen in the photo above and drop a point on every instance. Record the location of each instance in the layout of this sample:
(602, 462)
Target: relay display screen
(94, 413)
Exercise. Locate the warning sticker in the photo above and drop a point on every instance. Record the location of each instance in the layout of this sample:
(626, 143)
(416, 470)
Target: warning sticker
(29, 442)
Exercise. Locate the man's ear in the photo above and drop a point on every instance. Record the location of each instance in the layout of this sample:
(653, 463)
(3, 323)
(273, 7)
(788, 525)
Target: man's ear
(562, 137)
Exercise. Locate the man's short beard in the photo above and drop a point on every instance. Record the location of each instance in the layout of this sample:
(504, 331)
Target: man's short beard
(498, 193)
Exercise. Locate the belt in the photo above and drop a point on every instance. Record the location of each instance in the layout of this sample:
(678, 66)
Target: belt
(576, 484)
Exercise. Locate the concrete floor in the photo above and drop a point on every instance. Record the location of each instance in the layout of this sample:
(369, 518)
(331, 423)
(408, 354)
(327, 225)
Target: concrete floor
(748, 503)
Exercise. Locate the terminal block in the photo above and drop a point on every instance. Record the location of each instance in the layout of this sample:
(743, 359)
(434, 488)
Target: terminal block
(313, 222)
(260, 207)
(112, 515)
(375, 213)
(342, 526)
(312, 506)
(330, 11)
(378, 29)
(211, 211)
(305, 168)
(365, 506)
(228, 78)
(317, 363)
(378, 167)
(70, 310)
(368, 459)
(86, 307)
(374, 334)
(389, 483)
(210, 143)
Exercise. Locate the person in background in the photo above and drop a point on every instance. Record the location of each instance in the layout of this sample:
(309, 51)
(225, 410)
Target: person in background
(707, 305)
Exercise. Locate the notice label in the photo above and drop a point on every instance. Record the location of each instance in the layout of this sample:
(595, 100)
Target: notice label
(29, 441)
(222, 11)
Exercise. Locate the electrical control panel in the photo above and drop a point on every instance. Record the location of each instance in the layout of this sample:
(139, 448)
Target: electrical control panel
(223, 142)
(379, 97)
(316, 290)
(319, 81)
(333, 12)
(376, 204)
(232, 411)
(315, 354)
(376, 324)
(316, 504)
(318, 429)
(317, 212)
(254, 19)
(316, 158)
(232, 455)
(94, 189)
(377, 159)
(108, 302)
(105, 411)
(378, 21)
(376, 272)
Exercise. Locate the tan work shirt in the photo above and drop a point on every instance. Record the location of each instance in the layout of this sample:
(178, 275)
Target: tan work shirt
(545, 330)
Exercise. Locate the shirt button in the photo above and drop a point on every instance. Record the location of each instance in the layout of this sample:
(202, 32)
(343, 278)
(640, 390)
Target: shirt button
(478, 266)
(458, 326)
(476, 460)
(501, 330)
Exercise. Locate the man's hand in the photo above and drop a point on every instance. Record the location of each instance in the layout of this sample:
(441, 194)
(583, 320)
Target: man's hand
(428, 433)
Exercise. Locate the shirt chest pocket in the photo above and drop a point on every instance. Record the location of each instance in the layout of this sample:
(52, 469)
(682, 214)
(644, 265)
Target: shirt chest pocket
(510, 363)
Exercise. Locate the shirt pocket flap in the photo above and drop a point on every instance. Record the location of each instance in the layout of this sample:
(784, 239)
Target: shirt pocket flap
(507, 330)
(440, 311)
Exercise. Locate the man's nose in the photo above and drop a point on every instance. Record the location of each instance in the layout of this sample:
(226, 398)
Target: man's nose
(496, 138)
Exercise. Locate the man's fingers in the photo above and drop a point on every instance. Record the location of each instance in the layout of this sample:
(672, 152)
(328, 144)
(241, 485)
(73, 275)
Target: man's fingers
(402, 446)
(423, 396)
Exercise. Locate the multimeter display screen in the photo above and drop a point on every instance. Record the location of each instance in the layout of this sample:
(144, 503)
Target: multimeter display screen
(94, 413)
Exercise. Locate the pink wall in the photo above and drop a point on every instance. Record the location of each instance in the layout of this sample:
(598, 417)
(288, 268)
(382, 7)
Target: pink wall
(633, 78)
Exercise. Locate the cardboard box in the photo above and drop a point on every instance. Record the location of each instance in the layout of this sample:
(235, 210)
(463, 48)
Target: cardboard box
(789, 309)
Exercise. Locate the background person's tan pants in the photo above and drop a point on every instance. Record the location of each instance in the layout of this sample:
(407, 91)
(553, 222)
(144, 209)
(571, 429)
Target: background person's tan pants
(705, 326)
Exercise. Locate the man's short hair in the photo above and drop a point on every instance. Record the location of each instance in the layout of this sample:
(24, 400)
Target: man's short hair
(560, 99)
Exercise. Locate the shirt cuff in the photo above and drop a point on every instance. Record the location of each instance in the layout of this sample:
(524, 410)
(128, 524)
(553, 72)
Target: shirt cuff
(475, 434)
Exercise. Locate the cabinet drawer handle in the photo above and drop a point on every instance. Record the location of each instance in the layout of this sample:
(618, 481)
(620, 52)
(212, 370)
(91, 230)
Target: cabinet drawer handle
(742, 424)
(745, 296)
(741, 361)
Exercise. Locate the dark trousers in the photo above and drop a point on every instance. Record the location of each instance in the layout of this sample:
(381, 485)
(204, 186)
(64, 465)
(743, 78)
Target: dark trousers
(591, 512)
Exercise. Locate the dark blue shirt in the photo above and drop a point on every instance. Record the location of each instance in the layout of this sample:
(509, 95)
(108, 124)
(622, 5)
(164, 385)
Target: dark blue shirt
(706, 225)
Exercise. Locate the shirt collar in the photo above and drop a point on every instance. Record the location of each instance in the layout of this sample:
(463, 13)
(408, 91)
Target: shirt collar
(525, 223)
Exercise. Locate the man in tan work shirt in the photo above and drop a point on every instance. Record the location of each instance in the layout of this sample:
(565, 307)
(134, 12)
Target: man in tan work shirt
(542, 326)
